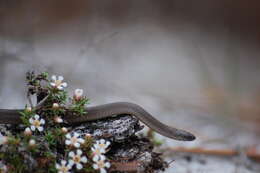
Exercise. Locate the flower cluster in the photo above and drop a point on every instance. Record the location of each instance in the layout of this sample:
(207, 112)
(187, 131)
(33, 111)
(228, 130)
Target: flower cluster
(77, 159)
(99, 149)
(44, 132)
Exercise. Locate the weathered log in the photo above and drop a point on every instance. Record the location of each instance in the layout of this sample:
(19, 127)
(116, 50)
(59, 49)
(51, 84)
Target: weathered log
(128, 152)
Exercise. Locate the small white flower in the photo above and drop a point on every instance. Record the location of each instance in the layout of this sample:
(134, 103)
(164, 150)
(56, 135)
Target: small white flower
(97, 152)
(99, 148)
(57, 82)
(3, 139)
(36, 123)
(27, 131)
(32, 142)
(58, 119)
(77, 159)
(3, 167)
(78, 93)
(102, 143)
(63, 167)
(55, 105)
(74, 140)
(101, 164)
(64, 130)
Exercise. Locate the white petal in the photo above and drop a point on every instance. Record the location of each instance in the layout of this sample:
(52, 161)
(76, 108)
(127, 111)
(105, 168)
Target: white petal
(102, 141)
(40, 128)
(81, 140)
(42, 121)
(95, 158)
(33, 128)
(63, 162)
(64, 84)
(79, 152)
(71, 154)
(60, 78)
(79, 166)
(102, 150)
(52, 84)
(60, 172)
(36, 116)
(76, 134)
(60, 87)
(102, 157)
(71, 162)
(68, 135)
(57, 166)
(108, 143)
(102, 170)
(107, 164)
(53, 77)
(31, 120)
(84, 159)
(27, 129)
(95, 166)
(77, 145)
(69, 166)
(78, 92)
(96, 146)
(67, 142)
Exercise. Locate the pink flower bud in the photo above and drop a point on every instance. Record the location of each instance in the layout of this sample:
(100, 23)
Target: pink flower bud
(28, 109)
(55, 106)
(64, 130)
(32, 143)
(78, 93)
(58, 119)
(27, 132)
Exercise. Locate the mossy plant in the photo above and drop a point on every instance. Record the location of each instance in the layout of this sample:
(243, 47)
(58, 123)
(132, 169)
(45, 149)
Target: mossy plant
(43, 142)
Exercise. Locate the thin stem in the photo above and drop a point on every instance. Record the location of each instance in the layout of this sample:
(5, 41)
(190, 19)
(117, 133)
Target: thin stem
(29, 99)
(42, 102)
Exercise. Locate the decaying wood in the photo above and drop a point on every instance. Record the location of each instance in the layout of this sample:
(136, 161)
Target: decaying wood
(128, 152)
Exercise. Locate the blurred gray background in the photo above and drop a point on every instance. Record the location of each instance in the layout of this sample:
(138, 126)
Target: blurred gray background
(193, 64)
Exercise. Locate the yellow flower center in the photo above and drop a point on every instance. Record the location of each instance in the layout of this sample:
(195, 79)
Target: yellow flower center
(58, 83)
(36, 123)
(74, 140)
(101, 164)
(102, 145)
(77, 159)
(97, 151)
(64, 169)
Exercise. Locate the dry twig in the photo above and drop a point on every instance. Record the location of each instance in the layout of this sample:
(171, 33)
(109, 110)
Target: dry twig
(250, 152)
